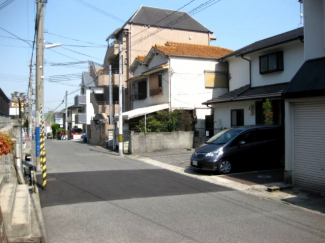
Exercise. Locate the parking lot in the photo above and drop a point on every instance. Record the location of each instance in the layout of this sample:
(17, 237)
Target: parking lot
(181, 158)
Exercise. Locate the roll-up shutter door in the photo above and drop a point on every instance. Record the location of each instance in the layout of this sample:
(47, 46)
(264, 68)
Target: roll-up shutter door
(309, 145)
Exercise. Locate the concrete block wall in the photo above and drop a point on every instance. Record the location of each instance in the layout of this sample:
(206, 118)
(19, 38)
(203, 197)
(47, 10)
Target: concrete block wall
(150, 142)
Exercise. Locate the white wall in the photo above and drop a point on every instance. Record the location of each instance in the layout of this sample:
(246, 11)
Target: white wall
(89, 107)
(222, 112)
(188, 89)
(314, 18)
(239, 72)
(293, 58)
(139, 70)
(157, 99)
(157, 60)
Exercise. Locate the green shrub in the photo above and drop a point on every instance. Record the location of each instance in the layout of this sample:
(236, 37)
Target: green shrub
(165, 121)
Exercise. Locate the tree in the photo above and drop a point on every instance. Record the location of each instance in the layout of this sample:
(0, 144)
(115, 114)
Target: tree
(268, 113)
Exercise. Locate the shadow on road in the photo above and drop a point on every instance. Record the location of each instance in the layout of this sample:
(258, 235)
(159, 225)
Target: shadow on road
(93, 186)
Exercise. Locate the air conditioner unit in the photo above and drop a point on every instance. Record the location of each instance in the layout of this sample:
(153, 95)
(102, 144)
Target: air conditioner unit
(251, 110)
(217, 123)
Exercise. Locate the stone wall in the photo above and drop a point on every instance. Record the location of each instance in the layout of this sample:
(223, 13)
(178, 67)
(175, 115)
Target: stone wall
(150, 142)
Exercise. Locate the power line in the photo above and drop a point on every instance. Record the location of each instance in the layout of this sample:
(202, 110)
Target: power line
(155, 24)
(100, 11)
(196, 10)
(74, 39)
(16, 37)
(5, 4)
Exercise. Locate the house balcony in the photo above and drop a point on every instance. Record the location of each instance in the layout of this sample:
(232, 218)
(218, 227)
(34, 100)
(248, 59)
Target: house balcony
(102, 79)
(103, 107)
(156, 91)
(80, 100)
(115, 79)
(112, 50)
(81, 118)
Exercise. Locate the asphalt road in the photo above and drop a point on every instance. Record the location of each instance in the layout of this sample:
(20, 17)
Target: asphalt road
(93, 195)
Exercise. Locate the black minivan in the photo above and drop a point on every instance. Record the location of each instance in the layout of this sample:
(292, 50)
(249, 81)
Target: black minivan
(250, 147)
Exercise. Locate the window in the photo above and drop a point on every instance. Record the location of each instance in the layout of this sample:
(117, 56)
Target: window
(155, 84)
(142, 90)
(271, 62)
(237, 117)
(216, 80)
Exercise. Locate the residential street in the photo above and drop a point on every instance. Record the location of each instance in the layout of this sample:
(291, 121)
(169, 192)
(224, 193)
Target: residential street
(92, 195)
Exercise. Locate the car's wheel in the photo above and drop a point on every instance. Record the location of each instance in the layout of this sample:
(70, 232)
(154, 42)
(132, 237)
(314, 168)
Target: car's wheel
(224, 166)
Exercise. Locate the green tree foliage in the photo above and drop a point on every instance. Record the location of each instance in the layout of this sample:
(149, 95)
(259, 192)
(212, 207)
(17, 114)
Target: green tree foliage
(165, 121)
(55, 127)
(268, 113)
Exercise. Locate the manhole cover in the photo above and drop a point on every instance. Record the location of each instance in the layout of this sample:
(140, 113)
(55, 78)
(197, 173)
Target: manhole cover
(264, 176)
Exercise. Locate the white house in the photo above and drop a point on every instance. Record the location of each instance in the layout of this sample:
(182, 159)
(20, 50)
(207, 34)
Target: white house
(305, 107)
(258, 71)
(83, 100)
(178, 76)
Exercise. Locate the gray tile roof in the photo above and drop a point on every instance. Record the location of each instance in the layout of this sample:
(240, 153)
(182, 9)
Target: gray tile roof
(268, 42)
(167, 19)
(308, 81)
(87, 80)
(246, 93)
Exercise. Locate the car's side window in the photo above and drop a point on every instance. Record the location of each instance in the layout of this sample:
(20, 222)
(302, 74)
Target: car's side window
(248, 137)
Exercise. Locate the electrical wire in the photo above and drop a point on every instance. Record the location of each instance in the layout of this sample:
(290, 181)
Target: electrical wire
(5, 4)
(16, 37)
(155, 24)
(194, 11)
(73, 39)
(100, 11)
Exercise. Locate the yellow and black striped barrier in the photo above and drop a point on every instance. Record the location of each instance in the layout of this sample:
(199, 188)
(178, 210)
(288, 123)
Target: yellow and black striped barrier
(43, 154)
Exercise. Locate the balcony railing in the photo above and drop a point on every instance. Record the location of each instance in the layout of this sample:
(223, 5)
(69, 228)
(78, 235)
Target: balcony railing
(80, 100)
(156, 91)
(81, 118)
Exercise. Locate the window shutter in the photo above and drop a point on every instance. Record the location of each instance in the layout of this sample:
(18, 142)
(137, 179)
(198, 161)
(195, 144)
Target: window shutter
(216, 80)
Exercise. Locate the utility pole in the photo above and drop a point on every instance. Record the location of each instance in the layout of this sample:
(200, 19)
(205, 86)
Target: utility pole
(30, 115)
(120, 101)
(110, 95)
(39, 75)
(66, 112)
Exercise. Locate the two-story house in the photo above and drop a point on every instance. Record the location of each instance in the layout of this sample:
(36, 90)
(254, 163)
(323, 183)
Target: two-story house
(177, 76)
(258, 71)
(146, 27)
(305, 107)
(87, 86)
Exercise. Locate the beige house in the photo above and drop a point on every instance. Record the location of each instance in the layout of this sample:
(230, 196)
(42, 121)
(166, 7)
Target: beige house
(147, 27)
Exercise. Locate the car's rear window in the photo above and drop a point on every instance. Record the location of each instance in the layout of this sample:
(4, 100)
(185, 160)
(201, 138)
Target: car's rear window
(224, 136)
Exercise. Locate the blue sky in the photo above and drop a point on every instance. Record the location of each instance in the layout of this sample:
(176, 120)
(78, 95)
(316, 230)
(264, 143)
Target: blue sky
(235, 23)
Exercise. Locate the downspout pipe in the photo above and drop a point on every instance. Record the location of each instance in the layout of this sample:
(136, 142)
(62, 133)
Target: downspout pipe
(250, 69)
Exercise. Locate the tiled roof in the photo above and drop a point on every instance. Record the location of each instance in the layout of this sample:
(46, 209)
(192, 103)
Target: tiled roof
(192, 50)
(268, 42)
(308, 81)
(246, 93)
(141, 58)
(87, 80)
(166, 18)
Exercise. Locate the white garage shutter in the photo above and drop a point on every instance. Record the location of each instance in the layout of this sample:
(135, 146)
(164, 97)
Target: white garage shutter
(309, 145)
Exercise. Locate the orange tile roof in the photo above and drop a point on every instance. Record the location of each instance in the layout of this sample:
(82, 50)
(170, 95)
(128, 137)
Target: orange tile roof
(141, 58)
(192, 50)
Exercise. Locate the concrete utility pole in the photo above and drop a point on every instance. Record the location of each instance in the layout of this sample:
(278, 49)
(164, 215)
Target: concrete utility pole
(110, 87)
(39, 75)
(30, 115)
(66, 111)
(120, 101)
